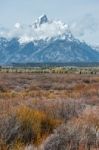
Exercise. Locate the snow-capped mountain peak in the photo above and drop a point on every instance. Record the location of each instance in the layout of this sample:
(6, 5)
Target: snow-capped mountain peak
(41, 29)
(43, 19)
(43, 41)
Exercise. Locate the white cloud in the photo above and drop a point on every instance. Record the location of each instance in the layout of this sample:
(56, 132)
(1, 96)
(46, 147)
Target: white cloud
(43, 31)
(17, 25)
(86, 29)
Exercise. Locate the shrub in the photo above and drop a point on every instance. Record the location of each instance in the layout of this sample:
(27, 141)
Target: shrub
(10, 129)
(80, 132)
(35, 125)
(3, 146)
(18, 146)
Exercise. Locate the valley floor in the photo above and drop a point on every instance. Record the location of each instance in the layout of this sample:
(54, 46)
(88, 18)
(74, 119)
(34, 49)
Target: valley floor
(49, 111)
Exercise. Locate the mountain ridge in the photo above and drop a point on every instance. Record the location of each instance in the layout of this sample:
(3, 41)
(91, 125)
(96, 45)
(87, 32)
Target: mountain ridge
(45, 41)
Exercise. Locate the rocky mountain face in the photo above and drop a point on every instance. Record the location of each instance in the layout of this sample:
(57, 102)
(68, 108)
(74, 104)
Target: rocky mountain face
(43, 41)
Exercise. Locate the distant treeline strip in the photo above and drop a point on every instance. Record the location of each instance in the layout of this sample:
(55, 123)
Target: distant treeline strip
(77, 64)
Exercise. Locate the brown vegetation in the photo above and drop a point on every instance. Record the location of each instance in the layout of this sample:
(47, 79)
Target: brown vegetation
(49, 111)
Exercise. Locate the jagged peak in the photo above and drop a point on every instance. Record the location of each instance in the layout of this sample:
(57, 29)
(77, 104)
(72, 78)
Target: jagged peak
(41, 29)
(43, 19)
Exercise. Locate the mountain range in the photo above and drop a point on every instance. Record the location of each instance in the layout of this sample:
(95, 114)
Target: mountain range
(43, 41)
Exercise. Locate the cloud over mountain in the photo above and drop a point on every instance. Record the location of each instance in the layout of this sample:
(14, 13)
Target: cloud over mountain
(44, 41)
(86, 29)
(42, 28)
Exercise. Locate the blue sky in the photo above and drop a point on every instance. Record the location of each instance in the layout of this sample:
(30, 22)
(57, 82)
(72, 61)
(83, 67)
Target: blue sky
(69, 11)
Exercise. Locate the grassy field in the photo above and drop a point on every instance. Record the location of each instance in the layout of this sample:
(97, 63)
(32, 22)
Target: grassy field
(49, 109)
(58, 70)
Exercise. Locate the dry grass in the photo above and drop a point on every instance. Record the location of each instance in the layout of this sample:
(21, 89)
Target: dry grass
(41, 102)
